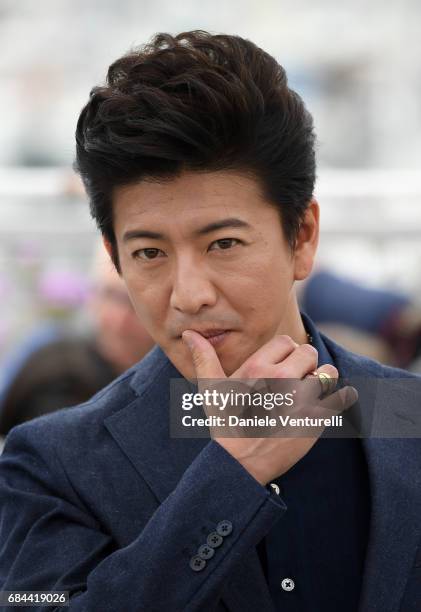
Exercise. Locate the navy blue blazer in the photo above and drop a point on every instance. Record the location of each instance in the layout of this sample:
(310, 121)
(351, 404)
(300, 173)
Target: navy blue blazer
(99, 501)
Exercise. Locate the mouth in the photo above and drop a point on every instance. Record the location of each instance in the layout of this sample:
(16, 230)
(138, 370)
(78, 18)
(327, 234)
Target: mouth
(217, 336)
(214, 336)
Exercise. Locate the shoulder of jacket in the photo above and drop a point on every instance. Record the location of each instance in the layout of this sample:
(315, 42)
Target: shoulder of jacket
(354, 364)
(85, 417)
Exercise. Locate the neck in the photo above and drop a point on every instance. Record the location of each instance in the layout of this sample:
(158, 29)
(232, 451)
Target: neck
(292, 323)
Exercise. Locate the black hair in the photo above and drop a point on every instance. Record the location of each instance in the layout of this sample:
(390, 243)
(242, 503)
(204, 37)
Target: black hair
(196, 102)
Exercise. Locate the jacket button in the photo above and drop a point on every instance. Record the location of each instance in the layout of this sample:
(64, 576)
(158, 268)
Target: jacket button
(197, 563)
(205, 552)
(214, 539)
(275, 487)
(224, 528)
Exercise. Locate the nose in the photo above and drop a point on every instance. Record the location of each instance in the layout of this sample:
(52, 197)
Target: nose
(192, 289)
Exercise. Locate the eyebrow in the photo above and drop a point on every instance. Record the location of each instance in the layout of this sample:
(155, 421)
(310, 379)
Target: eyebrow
(207, 229)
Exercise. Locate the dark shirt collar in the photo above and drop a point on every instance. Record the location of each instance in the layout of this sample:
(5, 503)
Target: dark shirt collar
(317, 341)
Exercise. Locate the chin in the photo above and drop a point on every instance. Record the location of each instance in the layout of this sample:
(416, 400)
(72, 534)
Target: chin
(230, 364)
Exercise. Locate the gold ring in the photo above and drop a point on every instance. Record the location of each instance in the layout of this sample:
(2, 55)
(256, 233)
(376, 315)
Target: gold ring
(326, 381)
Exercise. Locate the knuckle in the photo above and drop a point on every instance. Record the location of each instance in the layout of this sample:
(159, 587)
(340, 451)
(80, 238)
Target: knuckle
(341, 399)
(253, 370)
(331, 370)
(285, 340)
(351, 395)
(309, 350)
(199, 360)
(285, 372)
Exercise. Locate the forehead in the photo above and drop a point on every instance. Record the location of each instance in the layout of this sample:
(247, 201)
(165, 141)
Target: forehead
(190, 198)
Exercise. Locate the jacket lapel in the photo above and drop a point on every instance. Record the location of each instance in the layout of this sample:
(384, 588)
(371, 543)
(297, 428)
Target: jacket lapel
(394, 468)
(141, 429)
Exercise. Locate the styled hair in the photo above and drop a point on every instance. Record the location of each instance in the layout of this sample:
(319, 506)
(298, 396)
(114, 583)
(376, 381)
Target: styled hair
(196, 102)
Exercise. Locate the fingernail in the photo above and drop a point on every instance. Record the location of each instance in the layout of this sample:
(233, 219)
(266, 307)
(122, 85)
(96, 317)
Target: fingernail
(187, 340)
(351, 395)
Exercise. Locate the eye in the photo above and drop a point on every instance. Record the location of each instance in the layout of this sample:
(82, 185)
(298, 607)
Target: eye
(147, 254)
(224, 244)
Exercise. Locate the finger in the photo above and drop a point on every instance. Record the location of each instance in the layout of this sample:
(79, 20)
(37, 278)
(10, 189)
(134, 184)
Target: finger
(340, 400)
(301, 361)
(277, 349)
(291, 377)
(313, 383)
(205, 359)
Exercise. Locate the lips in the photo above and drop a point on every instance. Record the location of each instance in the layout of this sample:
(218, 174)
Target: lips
(210, 333)
(206, 333)
(216, 337)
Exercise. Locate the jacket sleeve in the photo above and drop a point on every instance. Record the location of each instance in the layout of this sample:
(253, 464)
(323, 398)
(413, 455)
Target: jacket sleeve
(49, 541)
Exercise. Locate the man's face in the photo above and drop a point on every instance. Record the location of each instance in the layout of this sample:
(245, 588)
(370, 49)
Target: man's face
(205, 252)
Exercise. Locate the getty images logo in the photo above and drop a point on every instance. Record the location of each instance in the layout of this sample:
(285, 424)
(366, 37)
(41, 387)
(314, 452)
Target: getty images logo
(217, 399)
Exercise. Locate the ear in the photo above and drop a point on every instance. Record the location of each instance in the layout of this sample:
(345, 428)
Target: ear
(108, 247)
(113, 254)
(307, 241)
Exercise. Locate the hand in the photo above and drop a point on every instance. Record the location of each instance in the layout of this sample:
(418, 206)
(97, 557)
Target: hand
(280, 358)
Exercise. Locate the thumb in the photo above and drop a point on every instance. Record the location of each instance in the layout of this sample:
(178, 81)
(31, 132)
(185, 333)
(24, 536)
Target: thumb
(205, 360)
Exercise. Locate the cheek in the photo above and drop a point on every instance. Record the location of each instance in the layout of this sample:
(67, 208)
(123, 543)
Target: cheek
(149, 303)
(260, 287)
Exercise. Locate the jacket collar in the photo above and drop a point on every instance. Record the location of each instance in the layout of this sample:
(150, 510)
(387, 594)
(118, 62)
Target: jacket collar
(142, 431)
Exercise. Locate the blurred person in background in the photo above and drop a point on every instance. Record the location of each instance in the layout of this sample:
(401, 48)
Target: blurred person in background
(64, 369)
(120, 338)
(382, 323)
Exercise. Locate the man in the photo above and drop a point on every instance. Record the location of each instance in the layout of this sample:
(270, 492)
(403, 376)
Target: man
(199, 164)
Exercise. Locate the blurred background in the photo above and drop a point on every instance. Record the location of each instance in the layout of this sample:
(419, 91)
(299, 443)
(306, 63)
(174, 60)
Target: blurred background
(356, 64)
